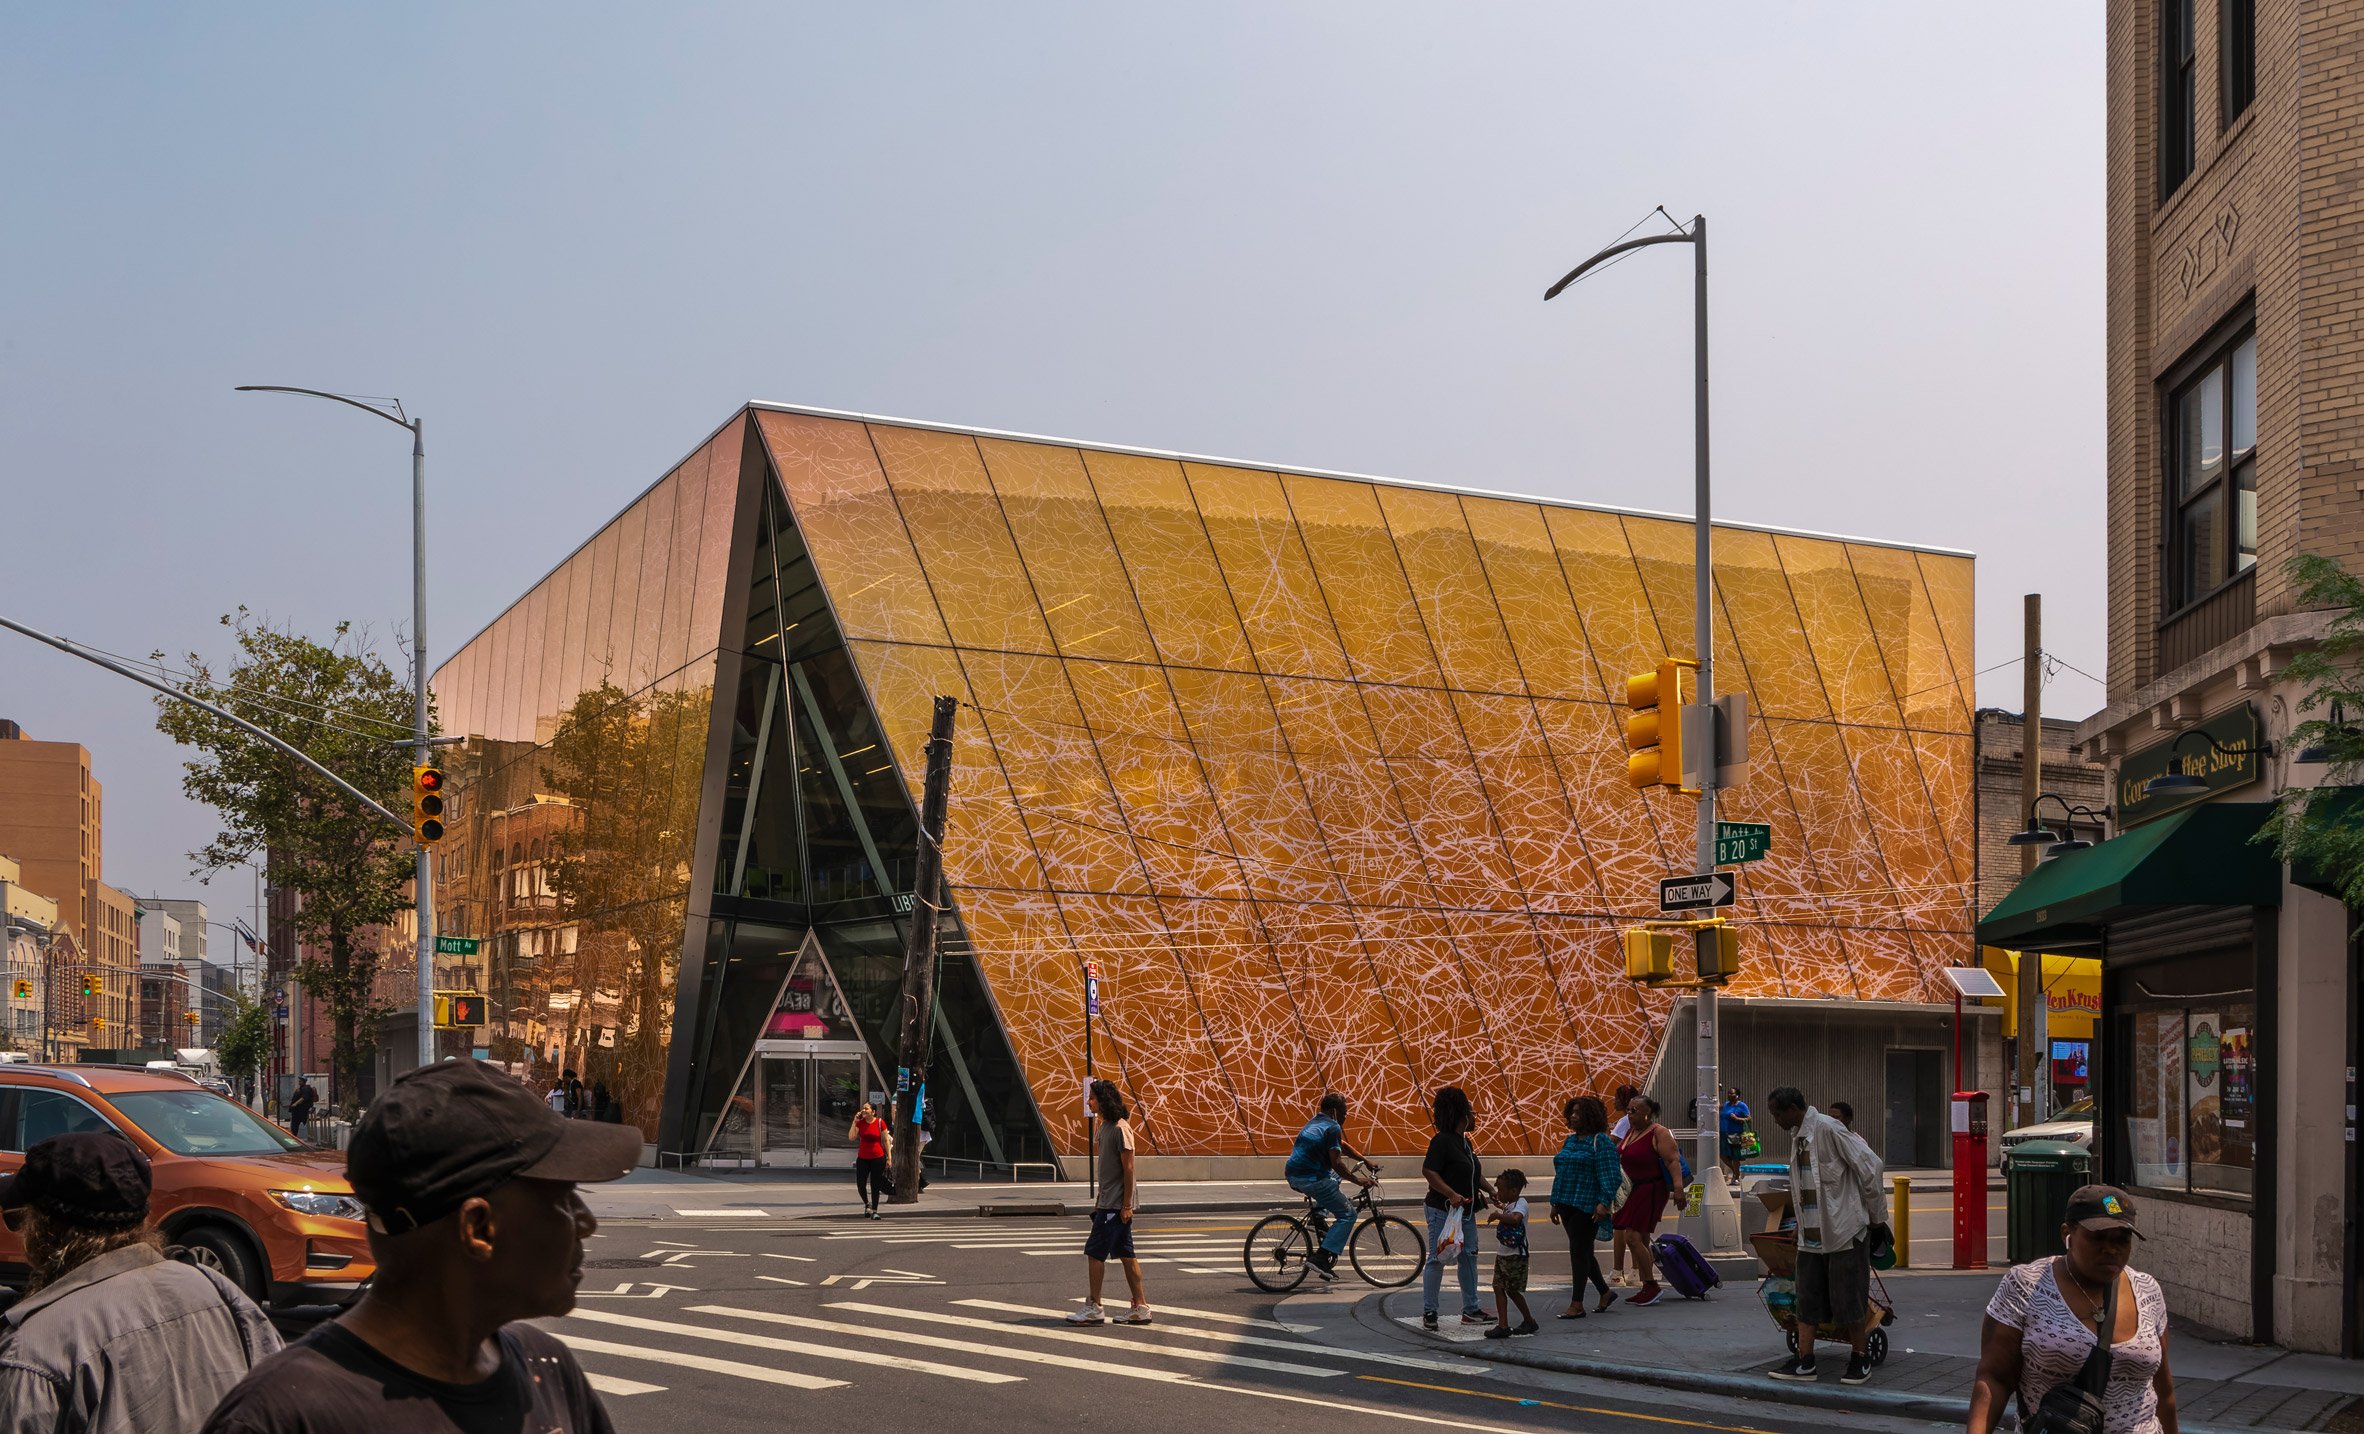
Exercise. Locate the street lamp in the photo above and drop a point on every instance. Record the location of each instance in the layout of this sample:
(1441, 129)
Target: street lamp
(1721, 1223)
(423, 885)
(2063, 840)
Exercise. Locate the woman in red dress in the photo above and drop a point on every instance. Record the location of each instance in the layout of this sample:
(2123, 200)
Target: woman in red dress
(1647, 1155)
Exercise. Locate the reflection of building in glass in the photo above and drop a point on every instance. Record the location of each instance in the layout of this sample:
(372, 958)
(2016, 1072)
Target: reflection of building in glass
(1325, 774)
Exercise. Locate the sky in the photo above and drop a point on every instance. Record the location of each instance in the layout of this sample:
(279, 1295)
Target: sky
(576, 237)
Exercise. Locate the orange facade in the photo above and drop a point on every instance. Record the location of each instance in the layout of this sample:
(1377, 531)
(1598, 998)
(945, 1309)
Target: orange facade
(1325, 775)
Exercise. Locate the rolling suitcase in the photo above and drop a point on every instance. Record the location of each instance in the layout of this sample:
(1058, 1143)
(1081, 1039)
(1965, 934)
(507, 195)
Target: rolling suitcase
(1684, 1269)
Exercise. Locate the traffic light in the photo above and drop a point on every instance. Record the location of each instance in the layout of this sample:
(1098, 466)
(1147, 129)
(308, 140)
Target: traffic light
(24, 990)
(190, 1017)
(1719, 954)
(426, 804)
(1649, 955)
(89, 986)
(1654, 726)
(98, 1023)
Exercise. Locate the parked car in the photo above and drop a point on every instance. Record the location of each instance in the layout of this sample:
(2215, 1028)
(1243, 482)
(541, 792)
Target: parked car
(233, 1191)
(2072, 1125)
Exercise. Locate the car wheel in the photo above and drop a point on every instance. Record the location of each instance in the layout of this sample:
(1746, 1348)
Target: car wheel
(225, 1252)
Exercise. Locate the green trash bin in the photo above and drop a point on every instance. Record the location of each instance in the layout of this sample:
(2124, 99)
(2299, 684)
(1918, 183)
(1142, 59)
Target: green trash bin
(2044, 1173)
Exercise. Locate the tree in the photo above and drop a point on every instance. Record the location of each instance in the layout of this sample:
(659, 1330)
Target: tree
(2317, 827)
(245, 1041)
(341, 705)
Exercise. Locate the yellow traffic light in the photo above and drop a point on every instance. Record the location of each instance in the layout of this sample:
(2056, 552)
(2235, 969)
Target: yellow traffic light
(1654, 726)
(90, 985)
(190, 1017)
(98, 1023)
(1649, 955)
(1719, 954)
(24, 990)
(426, 804)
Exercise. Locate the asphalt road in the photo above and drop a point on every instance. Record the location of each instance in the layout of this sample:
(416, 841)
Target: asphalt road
(953, 1323)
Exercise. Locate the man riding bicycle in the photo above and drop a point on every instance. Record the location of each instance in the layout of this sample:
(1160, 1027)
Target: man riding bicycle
(1317, 1162)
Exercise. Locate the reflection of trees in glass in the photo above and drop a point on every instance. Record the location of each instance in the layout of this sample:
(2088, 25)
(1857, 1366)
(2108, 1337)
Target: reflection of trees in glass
(630, 767)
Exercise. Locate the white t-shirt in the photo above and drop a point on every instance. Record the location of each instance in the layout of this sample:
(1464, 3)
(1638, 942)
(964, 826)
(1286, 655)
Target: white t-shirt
(556, 1099)
(1622, 1129)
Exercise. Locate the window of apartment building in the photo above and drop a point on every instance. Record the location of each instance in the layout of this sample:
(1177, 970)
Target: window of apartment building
(2212, 469)
(2236, 50)
(2178, 94)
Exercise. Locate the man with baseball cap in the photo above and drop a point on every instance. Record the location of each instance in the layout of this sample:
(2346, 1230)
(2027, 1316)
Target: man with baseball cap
(474, 1223)
(112, 1337)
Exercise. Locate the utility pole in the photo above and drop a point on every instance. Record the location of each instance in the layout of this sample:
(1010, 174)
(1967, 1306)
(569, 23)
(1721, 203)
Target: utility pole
(919, 952)
(2031, 784)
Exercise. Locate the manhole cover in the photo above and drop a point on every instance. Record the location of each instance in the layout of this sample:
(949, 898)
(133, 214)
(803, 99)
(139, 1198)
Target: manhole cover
(629, 1263)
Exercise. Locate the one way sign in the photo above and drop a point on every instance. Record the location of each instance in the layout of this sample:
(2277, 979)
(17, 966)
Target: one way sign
(1696, 893)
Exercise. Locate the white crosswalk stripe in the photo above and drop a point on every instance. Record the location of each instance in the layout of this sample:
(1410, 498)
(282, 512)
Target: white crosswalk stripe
(789, 1378)
(950, 1345)
(1401, 1361)
(620, 1386)
(804, 1347)
(1095, 1338)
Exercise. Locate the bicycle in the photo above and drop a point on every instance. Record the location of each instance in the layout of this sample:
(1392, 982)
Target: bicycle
(1387, 1250)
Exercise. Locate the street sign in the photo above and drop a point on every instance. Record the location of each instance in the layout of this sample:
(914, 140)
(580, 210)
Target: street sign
(1696, 893)
(456, 945)
(1742, 841)
(1091, 988)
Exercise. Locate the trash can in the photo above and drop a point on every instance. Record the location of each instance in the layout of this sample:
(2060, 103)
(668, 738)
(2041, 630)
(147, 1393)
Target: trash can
(2044, 1173)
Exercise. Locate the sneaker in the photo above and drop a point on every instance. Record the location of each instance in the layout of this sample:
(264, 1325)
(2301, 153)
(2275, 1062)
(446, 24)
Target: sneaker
(1797, 1371)
(1138, 1314)
(1089, 1314)
(1858, 1369)
(1428, 1319)
(1500, 1331)
(1324, 1264)
(1527, 1327)
(1481, 1317)
(1648, 1296)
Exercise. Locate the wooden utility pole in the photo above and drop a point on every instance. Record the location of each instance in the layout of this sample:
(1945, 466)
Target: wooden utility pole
(919, 952)
(2031, 783)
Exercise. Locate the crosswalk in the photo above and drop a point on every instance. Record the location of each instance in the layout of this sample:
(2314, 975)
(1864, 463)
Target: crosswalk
(837, 1343)
(1210, 1247)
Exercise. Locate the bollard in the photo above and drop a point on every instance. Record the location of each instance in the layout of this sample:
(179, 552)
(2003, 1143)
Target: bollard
(1900, 1205)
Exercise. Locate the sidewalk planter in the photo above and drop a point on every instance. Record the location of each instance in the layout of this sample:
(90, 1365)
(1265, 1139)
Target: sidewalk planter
(2044, 1173)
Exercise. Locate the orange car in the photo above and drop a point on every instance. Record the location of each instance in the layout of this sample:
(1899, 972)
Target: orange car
(238, 1193)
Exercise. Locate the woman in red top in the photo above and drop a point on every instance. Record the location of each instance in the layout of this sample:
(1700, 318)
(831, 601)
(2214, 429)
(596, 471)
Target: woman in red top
(869, 1135)
(1647, 1154)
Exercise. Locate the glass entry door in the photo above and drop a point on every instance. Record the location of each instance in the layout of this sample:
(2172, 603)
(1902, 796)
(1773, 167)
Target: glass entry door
(807, 1093)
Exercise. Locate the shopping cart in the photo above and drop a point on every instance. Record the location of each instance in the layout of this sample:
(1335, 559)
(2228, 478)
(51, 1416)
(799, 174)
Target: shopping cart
(1778, 1251)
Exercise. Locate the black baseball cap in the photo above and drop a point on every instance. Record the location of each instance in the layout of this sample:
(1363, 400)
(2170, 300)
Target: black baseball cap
(454, 1130)
(2101, 1207)
(92, 1178)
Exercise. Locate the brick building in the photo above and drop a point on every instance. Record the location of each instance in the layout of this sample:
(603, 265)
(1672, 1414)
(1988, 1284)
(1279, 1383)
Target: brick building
(1996, 739)
(2235, 381)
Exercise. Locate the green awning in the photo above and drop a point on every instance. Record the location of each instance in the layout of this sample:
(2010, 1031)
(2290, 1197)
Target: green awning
(2200, 856)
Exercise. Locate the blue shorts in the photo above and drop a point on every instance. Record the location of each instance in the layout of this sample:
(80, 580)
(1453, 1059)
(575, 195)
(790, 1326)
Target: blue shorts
(1111, 1238)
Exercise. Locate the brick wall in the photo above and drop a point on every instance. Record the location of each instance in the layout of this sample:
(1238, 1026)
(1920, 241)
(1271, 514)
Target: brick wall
(2200, 1257)
(1995, 738)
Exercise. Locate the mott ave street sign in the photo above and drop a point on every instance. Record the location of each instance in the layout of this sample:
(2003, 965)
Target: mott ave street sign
(456, 945)
(1696, 893)
(1742, 841)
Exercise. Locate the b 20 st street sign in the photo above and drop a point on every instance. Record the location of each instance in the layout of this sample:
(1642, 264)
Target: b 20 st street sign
(1696, 893)
(1742, 841)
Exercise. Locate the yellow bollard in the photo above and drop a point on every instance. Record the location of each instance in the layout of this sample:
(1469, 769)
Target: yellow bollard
(1900, 1210)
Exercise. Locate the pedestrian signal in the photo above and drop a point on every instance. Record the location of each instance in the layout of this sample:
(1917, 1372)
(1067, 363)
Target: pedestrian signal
(1719, 953)
(1654, 725)
(426, 804)
(1649, 955)
(459, 1010)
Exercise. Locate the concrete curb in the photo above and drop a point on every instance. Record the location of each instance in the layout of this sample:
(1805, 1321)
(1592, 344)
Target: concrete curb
(1370, 1312)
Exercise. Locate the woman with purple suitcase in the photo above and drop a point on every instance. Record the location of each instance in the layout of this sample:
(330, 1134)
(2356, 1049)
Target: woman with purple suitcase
(1647, 1154)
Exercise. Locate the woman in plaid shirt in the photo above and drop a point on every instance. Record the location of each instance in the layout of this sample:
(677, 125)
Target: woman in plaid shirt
(1583, 1188)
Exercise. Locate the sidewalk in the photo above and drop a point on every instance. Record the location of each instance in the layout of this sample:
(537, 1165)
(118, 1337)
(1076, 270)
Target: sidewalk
(1726, 1343)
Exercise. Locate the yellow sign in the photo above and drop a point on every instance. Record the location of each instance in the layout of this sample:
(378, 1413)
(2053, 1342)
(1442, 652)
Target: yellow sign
(2072, 992)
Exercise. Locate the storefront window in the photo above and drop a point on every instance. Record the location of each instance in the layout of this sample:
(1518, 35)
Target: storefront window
(2191, 1117)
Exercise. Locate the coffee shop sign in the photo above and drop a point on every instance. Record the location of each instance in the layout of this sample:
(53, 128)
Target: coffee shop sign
(2222, 752)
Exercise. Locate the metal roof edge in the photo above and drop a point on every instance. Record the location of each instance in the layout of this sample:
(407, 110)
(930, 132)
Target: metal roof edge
(1264, 467)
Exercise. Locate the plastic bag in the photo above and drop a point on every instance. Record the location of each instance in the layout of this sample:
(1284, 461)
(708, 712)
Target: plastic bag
(1449, 1239)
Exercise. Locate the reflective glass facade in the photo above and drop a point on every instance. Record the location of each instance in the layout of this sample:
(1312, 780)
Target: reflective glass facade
(1323, 773)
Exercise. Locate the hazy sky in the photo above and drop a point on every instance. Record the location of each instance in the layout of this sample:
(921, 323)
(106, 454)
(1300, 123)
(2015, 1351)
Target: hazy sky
(576, 236)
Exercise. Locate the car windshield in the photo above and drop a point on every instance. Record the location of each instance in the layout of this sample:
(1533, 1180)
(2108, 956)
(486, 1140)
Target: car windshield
(198, 1122)
(2082, 1110)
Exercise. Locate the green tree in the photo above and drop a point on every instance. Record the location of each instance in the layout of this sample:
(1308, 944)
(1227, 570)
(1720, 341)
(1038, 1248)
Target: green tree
(2314, 826)
(245, 1041)
(341, 705)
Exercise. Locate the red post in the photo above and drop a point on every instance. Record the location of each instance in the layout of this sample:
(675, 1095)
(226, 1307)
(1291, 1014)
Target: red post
(1969, 1123)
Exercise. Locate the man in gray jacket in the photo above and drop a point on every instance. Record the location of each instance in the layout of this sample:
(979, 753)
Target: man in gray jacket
(112, 1337)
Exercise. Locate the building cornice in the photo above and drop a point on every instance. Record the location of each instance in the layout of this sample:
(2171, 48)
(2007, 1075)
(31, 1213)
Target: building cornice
(2174, 701)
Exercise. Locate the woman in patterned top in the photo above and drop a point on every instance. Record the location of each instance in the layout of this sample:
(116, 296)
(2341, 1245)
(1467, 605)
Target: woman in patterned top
(2041, 1325)
(1583, 1187)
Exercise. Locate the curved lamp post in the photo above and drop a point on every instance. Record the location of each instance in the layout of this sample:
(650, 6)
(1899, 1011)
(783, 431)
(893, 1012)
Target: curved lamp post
(423, 882)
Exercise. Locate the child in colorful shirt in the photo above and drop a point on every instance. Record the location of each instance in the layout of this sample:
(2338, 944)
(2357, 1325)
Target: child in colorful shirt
(1510, 1256)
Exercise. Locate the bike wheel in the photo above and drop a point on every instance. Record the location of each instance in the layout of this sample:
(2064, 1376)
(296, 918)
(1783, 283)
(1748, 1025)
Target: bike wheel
(1277, 1253)
(1389, 1250)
